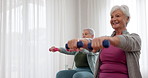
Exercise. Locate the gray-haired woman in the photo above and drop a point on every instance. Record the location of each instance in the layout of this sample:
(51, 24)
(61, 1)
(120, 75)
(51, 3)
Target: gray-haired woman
(84, 60)
(121, 59)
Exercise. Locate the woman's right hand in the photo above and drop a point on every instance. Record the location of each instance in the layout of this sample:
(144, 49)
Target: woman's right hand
(53, 49)
(72, 44)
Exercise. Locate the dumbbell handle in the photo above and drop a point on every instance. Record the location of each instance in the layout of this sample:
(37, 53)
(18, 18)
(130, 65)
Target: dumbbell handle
(106, 44)
(80, 44)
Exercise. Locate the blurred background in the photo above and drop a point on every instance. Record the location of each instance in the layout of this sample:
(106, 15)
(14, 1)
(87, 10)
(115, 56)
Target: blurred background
(29, 27)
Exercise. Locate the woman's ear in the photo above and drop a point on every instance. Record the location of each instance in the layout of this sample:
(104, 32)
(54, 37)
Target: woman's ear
(128, 18)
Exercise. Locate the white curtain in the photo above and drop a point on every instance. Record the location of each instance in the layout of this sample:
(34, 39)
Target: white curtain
(29, 27)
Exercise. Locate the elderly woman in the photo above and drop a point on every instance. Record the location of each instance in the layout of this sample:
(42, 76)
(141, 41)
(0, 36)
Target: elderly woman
(84, 60)
(121, 59)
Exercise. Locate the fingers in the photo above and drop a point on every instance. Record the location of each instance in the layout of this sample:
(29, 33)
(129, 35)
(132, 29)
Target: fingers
(85, 43)
(72, 44)
(52, 49)
(97, 44)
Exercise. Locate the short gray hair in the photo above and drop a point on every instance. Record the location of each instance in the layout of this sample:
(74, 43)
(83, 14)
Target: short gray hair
(91, 31)
(123, 8)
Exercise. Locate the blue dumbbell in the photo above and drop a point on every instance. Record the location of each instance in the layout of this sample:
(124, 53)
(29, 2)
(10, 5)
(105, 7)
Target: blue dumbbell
(106, 44)
(79, 45)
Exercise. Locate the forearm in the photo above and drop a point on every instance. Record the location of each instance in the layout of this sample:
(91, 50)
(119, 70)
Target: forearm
(63, 50)
(130, 42)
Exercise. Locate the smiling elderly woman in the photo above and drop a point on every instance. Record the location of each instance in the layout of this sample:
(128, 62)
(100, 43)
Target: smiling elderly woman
(121, 59)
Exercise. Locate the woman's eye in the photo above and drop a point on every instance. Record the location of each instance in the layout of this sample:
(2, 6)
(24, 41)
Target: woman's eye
(86, 34)
(117, 15)
(111, 16)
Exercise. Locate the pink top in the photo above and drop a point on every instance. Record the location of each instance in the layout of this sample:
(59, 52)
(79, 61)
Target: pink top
(113, 63)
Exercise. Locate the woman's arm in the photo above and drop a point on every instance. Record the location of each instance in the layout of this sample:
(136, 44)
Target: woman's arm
(129, 42)
(63, 50)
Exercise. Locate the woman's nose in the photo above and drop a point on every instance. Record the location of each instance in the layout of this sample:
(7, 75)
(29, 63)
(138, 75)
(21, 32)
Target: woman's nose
(114, 18)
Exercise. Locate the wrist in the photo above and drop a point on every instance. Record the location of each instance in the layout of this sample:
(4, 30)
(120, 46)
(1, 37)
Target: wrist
(114, 40)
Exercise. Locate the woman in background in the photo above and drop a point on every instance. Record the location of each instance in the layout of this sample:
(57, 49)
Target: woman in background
(84, 60)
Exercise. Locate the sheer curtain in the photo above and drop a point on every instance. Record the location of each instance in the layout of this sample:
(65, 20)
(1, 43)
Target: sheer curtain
(29, 27)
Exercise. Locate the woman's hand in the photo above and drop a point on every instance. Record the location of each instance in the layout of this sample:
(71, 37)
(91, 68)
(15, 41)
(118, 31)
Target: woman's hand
(72, 44)
(97, 43)
(54, 49)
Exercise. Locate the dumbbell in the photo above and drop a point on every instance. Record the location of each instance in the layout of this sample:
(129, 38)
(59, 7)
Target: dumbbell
(106, 44)
(80, 44)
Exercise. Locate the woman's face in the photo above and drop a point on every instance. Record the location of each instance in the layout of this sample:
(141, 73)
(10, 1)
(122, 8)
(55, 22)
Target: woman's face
(86, 34)
(118, 20)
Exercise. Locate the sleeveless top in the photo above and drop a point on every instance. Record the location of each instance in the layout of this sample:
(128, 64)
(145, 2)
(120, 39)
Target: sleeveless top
(113, 63)
(81, 60)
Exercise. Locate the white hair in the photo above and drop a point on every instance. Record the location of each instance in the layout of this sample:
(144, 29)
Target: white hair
(91, 31)
(123, 8)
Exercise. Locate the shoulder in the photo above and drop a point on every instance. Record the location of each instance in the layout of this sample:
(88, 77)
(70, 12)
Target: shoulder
(132, 36)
